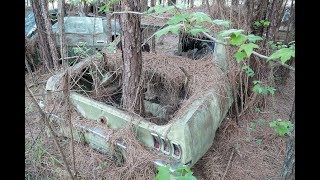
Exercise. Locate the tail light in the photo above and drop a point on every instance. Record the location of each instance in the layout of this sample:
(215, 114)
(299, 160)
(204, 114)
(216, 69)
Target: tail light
(165, 146)
(156, 141)
(176, 151)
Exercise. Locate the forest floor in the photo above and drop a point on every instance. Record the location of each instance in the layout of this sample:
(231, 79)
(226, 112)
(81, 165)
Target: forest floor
(247, 150)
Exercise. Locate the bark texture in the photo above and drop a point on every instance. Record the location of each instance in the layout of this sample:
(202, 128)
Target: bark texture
(52, 46)
(41, 31)
(132, 97)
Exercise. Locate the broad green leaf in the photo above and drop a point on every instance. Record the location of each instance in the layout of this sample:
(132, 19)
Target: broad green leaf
(197, 29)
(239, 55)
(237, 40)
(257, 89)
(282, 127)
(220, 22)
(105, 7)
(284, 54)
(253, 38)
(177, 18)
(200, 17)
(171, 28)
(248, 48)
(230, 31)
(163, 173)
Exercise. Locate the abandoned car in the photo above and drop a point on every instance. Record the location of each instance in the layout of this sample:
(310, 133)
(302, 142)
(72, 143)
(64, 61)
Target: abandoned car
(90, 31)
(183, 135)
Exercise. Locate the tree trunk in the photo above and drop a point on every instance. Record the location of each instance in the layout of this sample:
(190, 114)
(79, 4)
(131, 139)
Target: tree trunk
(43, 42)
(208, 6)
(288, 169)
(63, 47)
(53, 49)
(144, 5)
(132, 86)
(153, 39)
(109, 30)
(192, 3)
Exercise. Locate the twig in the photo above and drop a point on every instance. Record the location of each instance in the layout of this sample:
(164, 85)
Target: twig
(67, 94)
(225, 172)
(72, 57)
(44, 117)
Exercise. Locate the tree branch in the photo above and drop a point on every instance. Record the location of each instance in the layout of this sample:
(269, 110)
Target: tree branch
(45, 119)
(253, 52)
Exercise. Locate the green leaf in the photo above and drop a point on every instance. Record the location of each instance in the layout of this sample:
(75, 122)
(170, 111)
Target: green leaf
(261, 122)
(171, 28)
(249, 71)
(266, 23)
(257, 23)
(248, 48)
(284, 54)
(237, 40)
(282, 127)
(256, 82)
(177, 18)
(197, 29)
(220, 22)
(230, 31)
(200, 17)
(239, 55)
(258, 141)
(253, 38)
(257, 89)
(163, 173)
(271, 90)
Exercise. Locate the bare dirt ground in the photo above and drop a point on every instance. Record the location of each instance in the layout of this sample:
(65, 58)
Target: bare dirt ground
(250, 150)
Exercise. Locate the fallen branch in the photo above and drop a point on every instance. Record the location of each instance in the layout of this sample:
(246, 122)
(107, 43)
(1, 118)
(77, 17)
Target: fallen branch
(225, 172)
(44, 117)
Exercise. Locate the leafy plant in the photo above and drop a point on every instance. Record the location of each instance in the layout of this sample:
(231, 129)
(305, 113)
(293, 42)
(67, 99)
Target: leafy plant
(261, 23)
(259, 89)
(282, 127)
(284, 54)
(181, 173)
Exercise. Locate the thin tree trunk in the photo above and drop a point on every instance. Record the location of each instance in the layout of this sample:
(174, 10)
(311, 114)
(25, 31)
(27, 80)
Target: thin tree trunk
(144, 5)
(288, 168)
(43, 42)
(208, 6)
(53, 49)
(132, 86)
(109, 30)
(63, 48)
(153, 39)
(192, 3)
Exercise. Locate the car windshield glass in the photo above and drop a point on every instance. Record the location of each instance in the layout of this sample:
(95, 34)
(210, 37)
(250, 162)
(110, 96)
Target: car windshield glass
(81, 25)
